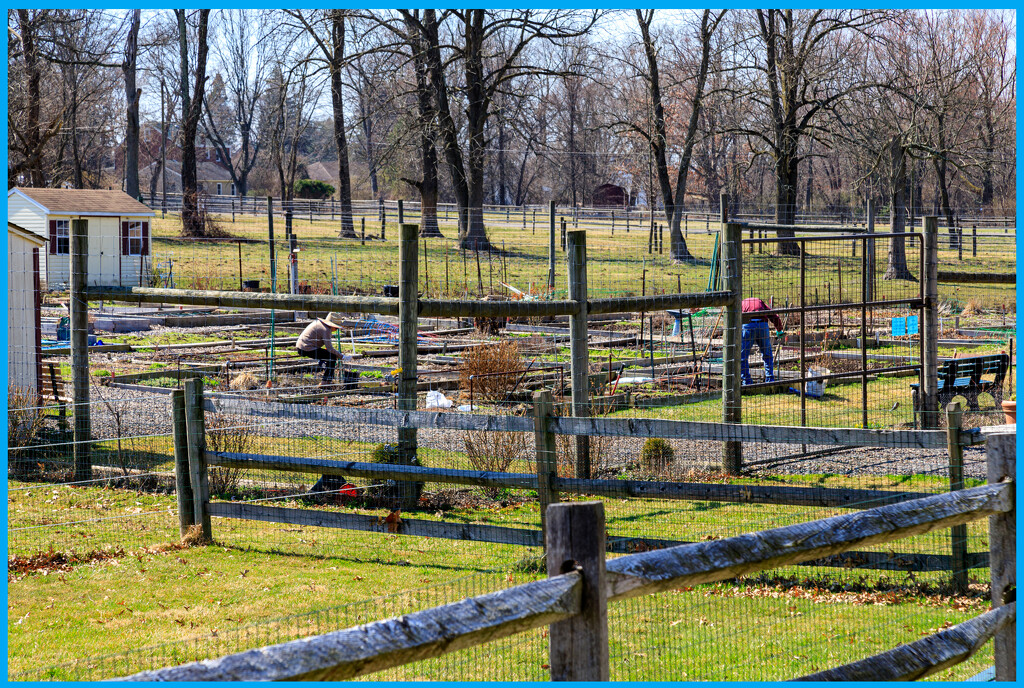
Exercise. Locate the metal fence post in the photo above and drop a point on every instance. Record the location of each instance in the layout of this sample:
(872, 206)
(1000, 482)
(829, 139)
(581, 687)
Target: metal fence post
(80, 349)
(195, 425)
(182, 479)
(732, 271)
(1001, 455)
(547, 453)
(930, 326)
(578, 646)
(579, 354)
(408, 279)
(958, 534)
(871, 249)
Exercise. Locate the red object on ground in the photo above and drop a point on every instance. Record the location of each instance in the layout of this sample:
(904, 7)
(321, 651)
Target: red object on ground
(348, 490)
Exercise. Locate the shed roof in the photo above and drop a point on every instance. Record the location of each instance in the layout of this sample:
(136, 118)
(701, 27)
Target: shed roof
(25, 234)
(83, 201)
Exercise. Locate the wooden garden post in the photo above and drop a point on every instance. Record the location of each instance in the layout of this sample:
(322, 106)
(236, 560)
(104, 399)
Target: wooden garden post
(551, 246)
(195, 426)
(930, 326)
(578, 646)
(547, 454)
(1001, 455)
(958, 534)
(579, 354)
(80, 349)
(732, 271)
(871, 249)
(182, 478)
(408, 279)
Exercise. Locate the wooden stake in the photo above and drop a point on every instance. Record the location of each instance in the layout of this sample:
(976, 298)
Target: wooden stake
(182, 479)
(82, 451)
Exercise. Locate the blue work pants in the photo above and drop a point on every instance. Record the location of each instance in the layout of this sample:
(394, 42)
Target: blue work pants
(756, 332)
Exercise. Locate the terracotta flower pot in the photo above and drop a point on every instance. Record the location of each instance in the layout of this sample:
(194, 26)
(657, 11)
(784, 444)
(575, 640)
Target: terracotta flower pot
(1010, 411)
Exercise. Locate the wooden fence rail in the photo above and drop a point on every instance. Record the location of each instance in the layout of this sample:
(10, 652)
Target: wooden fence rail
(607, 427)
(574, 597)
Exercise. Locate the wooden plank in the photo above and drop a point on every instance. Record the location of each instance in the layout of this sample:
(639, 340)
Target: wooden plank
(579, 354)
(430, 308)
(298, 464)
(853, 559)
(578, 646)
(393, 642)
(443, 420)
(327, 519)
(1001, 456)
(636, 304)
(953, 277)
(240, 299)
(778, 434)
(742, 494)
(926, 656)
(706, 562)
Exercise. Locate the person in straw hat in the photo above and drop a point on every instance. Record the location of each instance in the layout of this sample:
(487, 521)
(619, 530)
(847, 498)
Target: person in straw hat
(315, 342)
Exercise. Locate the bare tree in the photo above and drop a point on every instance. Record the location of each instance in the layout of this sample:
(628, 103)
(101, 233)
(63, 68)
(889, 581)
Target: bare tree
(231, 127)
(132, 96)
(674, 202)
(487, 65)
(191, 110)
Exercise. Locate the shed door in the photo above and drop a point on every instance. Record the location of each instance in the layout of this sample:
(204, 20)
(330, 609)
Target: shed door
(104, 251)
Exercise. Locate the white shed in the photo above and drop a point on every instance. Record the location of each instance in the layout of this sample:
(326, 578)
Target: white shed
(24, 301)
(119, 246)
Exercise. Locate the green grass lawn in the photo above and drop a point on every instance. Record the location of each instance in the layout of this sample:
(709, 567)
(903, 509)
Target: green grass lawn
(130, 583)
(618, 264)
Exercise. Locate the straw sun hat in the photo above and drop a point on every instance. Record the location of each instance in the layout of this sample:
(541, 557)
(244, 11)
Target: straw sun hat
(333, 321)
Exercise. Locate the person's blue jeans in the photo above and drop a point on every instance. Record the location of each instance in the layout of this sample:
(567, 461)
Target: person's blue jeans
(756, 332)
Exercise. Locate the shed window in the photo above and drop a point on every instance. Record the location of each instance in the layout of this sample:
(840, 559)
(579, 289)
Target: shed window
(134, 238)
(62, 238)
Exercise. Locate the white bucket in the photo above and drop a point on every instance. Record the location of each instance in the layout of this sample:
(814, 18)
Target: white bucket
(816, 388)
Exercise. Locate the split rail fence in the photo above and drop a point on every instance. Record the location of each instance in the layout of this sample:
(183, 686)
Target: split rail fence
(573, 600)
(195, 505)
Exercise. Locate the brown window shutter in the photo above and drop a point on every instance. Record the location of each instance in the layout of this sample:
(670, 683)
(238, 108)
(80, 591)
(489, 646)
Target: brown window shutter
(124, 238)
(53, 236)
(145, 238)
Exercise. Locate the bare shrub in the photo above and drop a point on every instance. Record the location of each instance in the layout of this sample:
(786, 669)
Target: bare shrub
(565, 445)
(244, 381)
(485, 360)
(24, 421)
(971, 308)
(232, 436)
(496, 451)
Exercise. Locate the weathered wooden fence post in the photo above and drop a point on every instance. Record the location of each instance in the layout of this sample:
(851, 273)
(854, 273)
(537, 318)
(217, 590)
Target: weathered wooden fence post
(930, 326)
(732, 271)
(551, 246)
(80, 349)
(195, 425)
(547, 453)
(578, 646)
(579, 354)
(1001, 455)
(401, 211)
(182, 478)
(958, 534)
(408, 278)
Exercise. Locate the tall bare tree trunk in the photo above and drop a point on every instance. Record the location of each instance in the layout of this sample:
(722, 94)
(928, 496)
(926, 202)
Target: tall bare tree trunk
(897, 267)
(191, 110)
(337, 63)
(33, 134)
(132, 96)
(427, 186)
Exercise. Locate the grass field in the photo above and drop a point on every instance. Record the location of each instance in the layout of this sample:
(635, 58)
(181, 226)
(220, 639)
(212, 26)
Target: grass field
(204, 600)
(618, 265)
